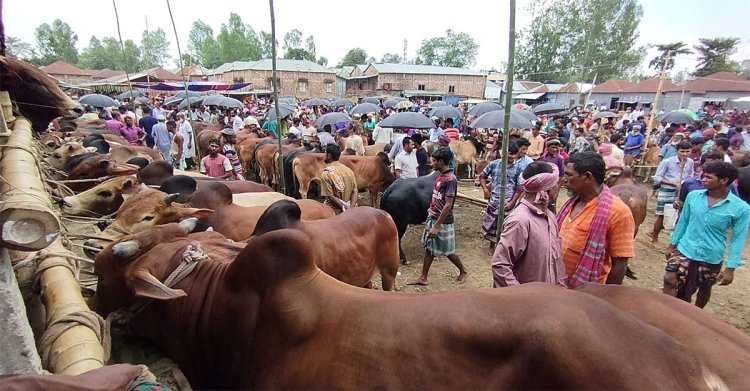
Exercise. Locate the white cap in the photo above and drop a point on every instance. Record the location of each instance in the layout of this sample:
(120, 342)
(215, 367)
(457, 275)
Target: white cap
(161, 117)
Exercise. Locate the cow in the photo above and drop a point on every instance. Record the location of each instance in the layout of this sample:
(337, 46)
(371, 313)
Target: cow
(266, 159)
(246, 153)
(60, 156)
(185, 186)
(466, 152)
(238, 222)
(373, 150)
(35, 94)
(407, 201)
(371, 172)
(722, 348)
(634, 196)
(101, 200)
(270, 319)
(93, 166)
(204, 137)
(743, 183)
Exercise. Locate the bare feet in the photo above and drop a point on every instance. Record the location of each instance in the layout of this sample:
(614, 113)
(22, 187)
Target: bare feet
(419, 281)
(461, 277)
(651, 237)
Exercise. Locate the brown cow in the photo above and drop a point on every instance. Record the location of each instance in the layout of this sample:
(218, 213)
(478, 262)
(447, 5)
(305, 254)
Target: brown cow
(634, 196)
(465, 152)
(204, 137)
(94, 166)
(35, 94)
(370, 171)
(722, 348)
(271, 319)
(60, 156)
(267, 160)
(103, 199)
(246, 153)
(238, 222)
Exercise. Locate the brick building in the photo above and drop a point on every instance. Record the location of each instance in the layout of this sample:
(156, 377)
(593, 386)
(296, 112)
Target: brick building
(68, 73)
(300, 78)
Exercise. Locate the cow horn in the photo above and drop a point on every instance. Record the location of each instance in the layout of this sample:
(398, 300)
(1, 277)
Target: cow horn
(170, 198)
(125, 250)
(188, 225)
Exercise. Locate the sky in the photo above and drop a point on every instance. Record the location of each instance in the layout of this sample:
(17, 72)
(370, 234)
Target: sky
(378, 27)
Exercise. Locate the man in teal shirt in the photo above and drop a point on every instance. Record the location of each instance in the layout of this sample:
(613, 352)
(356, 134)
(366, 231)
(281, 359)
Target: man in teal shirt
(694, 257)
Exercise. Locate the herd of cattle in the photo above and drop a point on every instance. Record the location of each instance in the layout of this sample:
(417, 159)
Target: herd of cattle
(275, 294)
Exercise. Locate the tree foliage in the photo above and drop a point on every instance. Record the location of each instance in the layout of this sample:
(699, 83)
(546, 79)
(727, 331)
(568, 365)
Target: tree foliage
(202, 44)
(391, 58)
(293, 39)
(154, 49)
(452, 50)
(56, 42)
(299, 54)
(572, 40)
(17, 48)
(660, 62)
(237, 41)
(714, 56)
(353, 57)
(266, 40)
(323, 61)
(294, 49)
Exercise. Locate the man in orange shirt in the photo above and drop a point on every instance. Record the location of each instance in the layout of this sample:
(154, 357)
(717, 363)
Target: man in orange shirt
(596, 227)
(537, 144)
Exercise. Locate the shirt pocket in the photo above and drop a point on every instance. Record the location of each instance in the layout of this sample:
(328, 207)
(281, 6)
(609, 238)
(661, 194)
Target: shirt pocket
(580, 235)
(718, 220)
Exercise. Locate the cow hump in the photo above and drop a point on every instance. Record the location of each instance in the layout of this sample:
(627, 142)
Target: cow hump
(279, 215)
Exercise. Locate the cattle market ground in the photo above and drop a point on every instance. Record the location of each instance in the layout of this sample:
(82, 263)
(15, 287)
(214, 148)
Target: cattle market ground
(730, 303)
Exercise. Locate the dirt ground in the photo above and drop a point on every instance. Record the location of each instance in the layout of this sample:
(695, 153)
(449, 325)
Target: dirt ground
(729, 303)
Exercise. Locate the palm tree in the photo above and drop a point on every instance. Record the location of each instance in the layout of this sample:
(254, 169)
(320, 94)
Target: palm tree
(660, 62)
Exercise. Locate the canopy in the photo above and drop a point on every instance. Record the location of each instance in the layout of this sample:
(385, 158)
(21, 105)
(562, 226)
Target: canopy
(192, 86)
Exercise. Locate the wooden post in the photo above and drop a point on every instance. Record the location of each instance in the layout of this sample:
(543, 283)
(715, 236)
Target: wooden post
(282, 181)
(506, 124)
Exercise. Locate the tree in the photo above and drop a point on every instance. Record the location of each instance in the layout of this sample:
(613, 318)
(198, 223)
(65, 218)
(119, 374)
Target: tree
(202, 44)
(95, 56)
(16, 48)
(714, 56)
(451, 50)
(323, 61)
(237, 41)
(571, 40)
(56, 42)
(354, 57)
(391, 58)
(266, 40)
(310, 45)
(154, 48)
(292, 40)
(659, 62)
(299, 54)
(130, 56)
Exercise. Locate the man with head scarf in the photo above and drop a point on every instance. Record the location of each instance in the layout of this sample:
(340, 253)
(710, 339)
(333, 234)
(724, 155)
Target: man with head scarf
(529, 247)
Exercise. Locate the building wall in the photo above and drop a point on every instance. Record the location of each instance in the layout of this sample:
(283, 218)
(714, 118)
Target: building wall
(318, 84)
(73, 79)
(361, 87)
(340, 87)
(464, 85)
(493, 92)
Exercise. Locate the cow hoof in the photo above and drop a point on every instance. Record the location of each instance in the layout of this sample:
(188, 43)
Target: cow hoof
(405, 262)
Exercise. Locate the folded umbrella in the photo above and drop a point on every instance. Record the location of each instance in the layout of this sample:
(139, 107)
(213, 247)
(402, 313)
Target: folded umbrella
(496, 120)
(408, 119)
(97, 100)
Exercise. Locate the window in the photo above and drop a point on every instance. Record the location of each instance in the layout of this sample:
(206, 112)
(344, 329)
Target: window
(451, 88)
(238, 80)
(421, 87)
(269, 80)
(329, 86)
(361, 86)
(302, 86)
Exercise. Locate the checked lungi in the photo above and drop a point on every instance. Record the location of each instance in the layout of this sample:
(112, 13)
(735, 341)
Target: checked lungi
(665, 196)
(444, 243)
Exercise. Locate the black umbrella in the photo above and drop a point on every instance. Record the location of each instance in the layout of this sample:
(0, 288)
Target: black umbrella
(228, 102)
(142, 100)
(496, 120)
(284, 110)
(129, 94)
(392, 101)
(213, 100)
(193, 100)
(675, 117)
(315, 102)
(446, 112)
(171, 100)
(372, 100)
(364, 108)
(407, 119)
(342, 102)
(190, 94)
(526, 114)
(288, 101)
(97, 100)
(331, 118)
(549, 108)
(483, 108)
(438, 103)
(605, 114)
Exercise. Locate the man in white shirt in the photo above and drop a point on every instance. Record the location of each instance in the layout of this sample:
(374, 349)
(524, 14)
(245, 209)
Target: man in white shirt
(237, 122)
(382, 135)
(204, 114)
(406, 162)
(295, 128)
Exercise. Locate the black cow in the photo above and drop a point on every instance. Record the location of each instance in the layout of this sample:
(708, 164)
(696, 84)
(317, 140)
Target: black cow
(743, 183)
(407, 201)
(179, 184)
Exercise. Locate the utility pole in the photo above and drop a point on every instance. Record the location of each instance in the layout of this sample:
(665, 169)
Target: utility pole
(282, 184)
(506, 124)
(403, 59)
(122, 47)
(655, 105)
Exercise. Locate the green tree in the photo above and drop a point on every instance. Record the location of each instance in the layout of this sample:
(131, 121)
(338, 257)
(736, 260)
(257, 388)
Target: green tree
(56, 42)
(16, 48)
(237, 41)
(714, 56)
(266, 40)
(154, 49)
(572, 40)
(202, 44)
(323, 61)
(391, 58)
(96, 56)
(451, 50)
(660, 62)
(292, 39)
(130, 56)
(299, 54)
(310, 45)
(353, 57)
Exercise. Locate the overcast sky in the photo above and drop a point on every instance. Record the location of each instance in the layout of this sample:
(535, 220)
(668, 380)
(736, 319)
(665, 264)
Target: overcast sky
(377, 26)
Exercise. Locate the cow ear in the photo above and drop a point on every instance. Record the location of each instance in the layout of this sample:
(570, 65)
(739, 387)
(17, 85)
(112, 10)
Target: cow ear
(128, 184)
(146, 285)
(194, 212)
(91, 149)
(104, 163)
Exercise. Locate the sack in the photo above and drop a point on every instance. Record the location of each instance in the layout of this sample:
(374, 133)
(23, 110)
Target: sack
(670, 217)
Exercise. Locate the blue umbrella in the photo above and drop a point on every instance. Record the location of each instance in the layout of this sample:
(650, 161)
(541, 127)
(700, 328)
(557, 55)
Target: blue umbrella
(372, 100)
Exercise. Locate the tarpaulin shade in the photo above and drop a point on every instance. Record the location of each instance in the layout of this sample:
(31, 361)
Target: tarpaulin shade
(192, 86)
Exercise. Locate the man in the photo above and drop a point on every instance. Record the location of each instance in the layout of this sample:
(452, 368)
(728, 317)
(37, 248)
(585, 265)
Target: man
(354, 141)
(670, 148)
(694, 183)
(367, 123)
(616, 140)
(115, 124)
(578, 142)
(162, 138)
(523, 160)
(552, 156)
(406, 162)
(131, 132)
(494, 195)
(437, 131)
(270, 128)
(669, 176)
(721, 145)
(308, 132)
(439, 237)
(694, 257)
(158, 110)
(228, 140)
(215, 164)
(204, 115)
(596, 227)
(422, 156)
(529, 248)
(325, 138)
(696, 148)
(175, 149)
(295, 127)
(536, 144)
(382, 135)
(633, 144)
(338, 184)
(188, 148)
(147, 123)
(237, 122)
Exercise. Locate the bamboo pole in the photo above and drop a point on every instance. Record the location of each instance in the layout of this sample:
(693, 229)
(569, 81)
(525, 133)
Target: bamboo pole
(282, 182)
(70, 348)
(506, 125)
(122, 49)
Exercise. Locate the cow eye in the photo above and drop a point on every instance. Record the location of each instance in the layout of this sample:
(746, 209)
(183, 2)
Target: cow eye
(56, 155)
(105, 194)
(148, 218)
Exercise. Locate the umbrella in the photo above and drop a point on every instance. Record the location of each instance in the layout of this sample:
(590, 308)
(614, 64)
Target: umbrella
(331, 118)
(284, 110)
(496, 120)
(213, 100)
(392, 101)
(438, 103)
(228, 102)
(521, 106)
(171, 100)
(445, 112)
(191, 101)
(315, 102)
(675, 117)
(372, 100)
(129, 94)
(605, 114)
(343, 102)
(525, 114)
(190, 94)
(689, 113)
(288, 101)
(549, 108)
(407, 119)
(142, 100)
(483, 108)
(364, 108)
(404, 104)
(97, 100)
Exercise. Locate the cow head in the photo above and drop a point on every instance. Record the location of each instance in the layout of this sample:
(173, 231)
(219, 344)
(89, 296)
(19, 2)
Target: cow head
(141, 211)
(52, 140)
(102, 199)
(155, 173)
(60, 156)
(35, 93)
(215, 193)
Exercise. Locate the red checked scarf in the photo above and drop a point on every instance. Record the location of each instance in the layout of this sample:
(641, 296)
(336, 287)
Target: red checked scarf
(592, 258)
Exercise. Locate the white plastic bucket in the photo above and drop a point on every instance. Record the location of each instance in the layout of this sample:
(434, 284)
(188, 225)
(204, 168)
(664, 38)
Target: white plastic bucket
(670, 217)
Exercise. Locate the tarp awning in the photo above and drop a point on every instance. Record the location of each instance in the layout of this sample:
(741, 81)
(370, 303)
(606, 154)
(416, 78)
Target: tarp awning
(192, 86)
(408, 93)
(529, 96)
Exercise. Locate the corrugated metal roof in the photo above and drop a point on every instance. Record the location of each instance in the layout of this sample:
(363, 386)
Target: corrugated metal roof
(423, 69)
(64, 68)
(719, 81)
(612, 86)
(266, 65)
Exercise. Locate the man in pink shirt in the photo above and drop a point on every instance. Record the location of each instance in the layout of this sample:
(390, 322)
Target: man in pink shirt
(215, 164)
(115, 124)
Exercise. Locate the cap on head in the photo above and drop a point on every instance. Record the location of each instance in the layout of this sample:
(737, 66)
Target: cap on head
(161, 117)
(228, 131)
